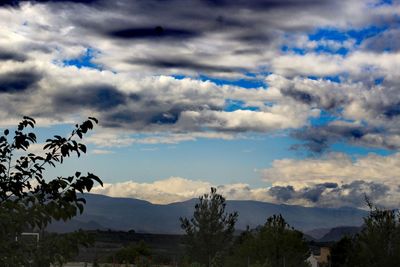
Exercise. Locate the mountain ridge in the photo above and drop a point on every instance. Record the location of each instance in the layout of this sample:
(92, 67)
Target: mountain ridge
(125, 214)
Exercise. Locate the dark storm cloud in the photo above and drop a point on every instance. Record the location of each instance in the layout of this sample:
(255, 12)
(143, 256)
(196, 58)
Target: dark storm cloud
(183, 64)
(392, 110)
(300, 96)
(318, 138)
(153, 32)
(384, 109)
(331, 194)
(170, 117)
(355, 192)
(388, 40)
(11, 55)
(329, 100)
(16, 3)
(313, 194)
(171, 20)
(17, 82)
(282, 193)
(265, 4)
(141, 118)
(100, 97)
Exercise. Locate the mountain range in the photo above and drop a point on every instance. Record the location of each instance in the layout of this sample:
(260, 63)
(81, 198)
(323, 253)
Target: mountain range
(104, 212)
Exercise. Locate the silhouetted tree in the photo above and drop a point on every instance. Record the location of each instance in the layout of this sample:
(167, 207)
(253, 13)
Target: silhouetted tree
(274, 244)
(29, 202)
(378, 244)
(138, 254)
(341, 252)
(210, 232)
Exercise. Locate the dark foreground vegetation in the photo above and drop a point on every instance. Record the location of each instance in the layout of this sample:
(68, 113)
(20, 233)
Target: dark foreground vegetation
(29, 202)
(210, 242)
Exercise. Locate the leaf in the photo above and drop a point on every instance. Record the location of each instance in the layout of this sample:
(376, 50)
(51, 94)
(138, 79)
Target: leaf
(89, 185)
(29, 119)
(94, 119)
(96, 178)
(81, 200)
(80, 207)
(82, 147)
(32, 136)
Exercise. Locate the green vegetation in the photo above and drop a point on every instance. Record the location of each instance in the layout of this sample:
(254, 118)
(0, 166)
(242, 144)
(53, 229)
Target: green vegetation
(209, 236)
(29, 201)
(135, 254)
(378, 244)
(273, 244)
(209, 233)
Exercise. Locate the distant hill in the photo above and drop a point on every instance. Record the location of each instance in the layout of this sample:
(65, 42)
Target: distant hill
(335, 234)
(103, 212)
(318, 233)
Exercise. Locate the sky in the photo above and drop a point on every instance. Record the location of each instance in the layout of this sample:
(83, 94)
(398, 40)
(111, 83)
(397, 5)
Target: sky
(284, 101)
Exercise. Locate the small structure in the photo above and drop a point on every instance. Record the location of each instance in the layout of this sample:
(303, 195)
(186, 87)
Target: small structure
(312, 260)
(320, 260)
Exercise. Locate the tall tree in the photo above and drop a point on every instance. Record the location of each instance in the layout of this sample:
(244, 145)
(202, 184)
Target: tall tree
(210, 231)
(274, 244)
(29, 201)
(341, 252)
(378, 244)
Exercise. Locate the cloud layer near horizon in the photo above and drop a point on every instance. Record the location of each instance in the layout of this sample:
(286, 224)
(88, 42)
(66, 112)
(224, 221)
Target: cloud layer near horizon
(334, 181)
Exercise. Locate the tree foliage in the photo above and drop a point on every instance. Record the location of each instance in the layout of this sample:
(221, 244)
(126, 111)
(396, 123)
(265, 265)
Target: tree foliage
(377, 245)
(136, 254)
(29, 201)
(274, 244)
(209, 232)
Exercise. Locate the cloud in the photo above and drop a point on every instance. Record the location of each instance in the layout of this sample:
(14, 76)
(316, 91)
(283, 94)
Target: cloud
(335, 167)
(328, 194)
(14, 82)
(128, 84)
(115, 139)
(108, 139)
(101, 152)
(386, 41)
(352, 194)
(96, 96)
(186, 108)
(156, 32)
(170, 63)
(361, 113)
(169, 190)
(175, 189)
(6, 55)
(16, 3)
(130, 30)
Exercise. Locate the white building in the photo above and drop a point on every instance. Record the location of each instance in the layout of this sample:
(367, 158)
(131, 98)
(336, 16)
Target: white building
(312, 261)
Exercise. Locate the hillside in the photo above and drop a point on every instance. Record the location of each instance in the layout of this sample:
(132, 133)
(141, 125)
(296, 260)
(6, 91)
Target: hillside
(103, 212)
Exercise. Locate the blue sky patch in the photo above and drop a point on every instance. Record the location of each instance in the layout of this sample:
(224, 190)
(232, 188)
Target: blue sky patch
(324, 119)
(245, 83)
(335, 34)
(334, 78)
(251, 82)
(232, 105)
(84, 61)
